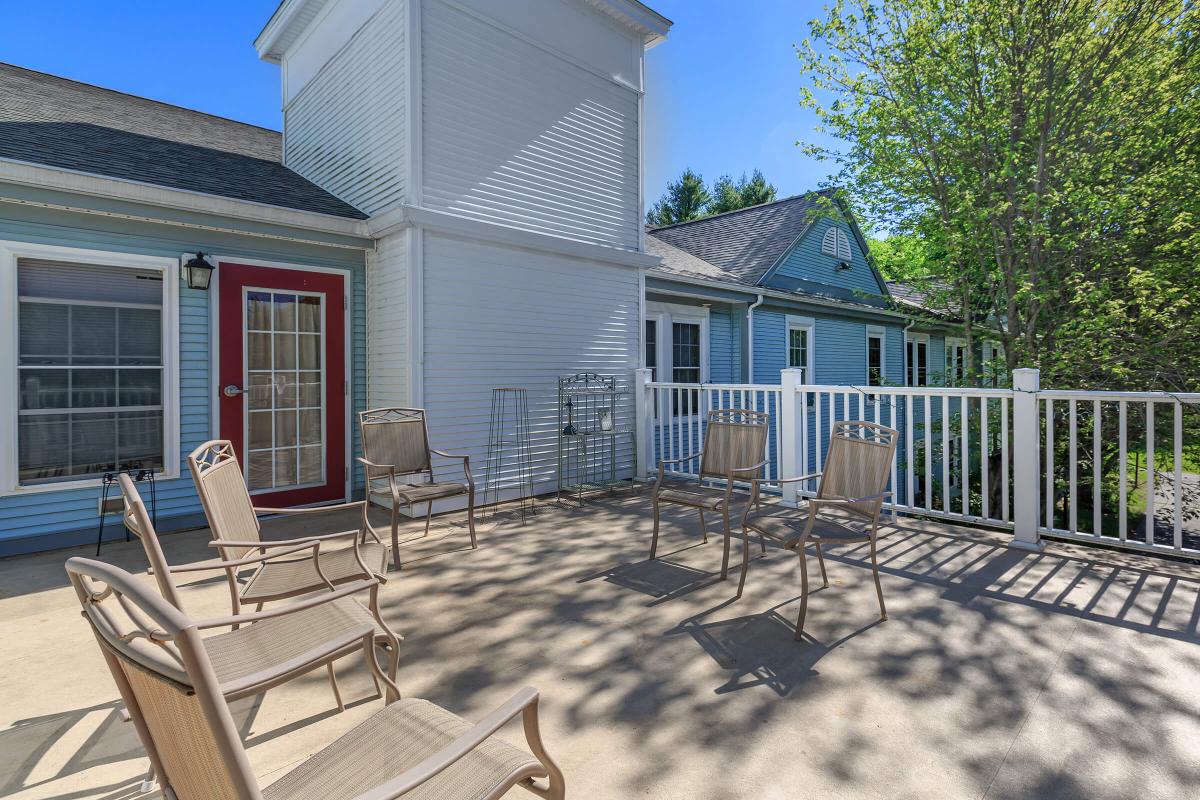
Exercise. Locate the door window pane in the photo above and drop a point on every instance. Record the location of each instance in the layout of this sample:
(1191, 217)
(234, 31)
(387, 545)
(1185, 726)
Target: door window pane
(874, 360)
(798, 351)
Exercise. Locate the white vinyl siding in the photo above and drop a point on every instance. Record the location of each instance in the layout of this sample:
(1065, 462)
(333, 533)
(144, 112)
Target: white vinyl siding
(387, 322)
(502, 316)
(345, 131)
(517, 135)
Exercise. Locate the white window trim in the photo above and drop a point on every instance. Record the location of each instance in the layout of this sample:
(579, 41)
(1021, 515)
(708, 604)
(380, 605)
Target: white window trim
(663, 315)
(953, 342)
(795, 323)
(909, 340)
(880, 333)
(10, 251)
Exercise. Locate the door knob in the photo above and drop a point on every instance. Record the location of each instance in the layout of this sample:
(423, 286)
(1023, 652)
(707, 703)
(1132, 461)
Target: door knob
(231, 390)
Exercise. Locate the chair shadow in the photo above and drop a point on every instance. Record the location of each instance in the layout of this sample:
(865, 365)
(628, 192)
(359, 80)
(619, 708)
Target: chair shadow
(759, 650)
(660, 579)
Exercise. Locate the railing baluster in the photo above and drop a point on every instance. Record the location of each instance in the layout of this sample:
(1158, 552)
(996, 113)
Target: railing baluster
(1123, 522)
(965, 483)
(1178, 488)
(1005, 483)
(669, 412)
(1097, 506)
(909, 456)
(819, 439)
(946, 454)
(985, 444)
(894, 487)
(1150, 472)
(927, 402)
(1049, 521)
(1072, 467)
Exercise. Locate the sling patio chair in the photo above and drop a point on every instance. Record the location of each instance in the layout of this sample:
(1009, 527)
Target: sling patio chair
(845, 510)
(274, 641)
(399, 466)
(177, 699)
(233, 520)
(735, 442)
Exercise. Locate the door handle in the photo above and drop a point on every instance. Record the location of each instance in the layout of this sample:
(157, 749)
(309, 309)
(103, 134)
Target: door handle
(231, 390)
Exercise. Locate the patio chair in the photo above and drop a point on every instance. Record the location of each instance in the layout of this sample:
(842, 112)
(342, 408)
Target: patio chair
(270, 643)
(177, 700)
(399, 466)
(735, 442)
(233, 520)
(853, 484)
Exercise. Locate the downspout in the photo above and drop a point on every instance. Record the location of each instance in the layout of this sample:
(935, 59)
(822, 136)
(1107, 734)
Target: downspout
(750, 338)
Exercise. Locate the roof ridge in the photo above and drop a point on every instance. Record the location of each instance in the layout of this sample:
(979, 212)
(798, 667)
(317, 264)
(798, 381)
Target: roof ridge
(778, 201)
(110, 90)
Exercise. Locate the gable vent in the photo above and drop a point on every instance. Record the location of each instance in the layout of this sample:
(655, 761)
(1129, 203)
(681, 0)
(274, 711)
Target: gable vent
(836, 243)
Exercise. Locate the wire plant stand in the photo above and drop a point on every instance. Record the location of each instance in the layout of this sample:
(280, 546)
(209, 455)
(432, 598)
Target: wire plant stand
(510, 454)
(589, 436)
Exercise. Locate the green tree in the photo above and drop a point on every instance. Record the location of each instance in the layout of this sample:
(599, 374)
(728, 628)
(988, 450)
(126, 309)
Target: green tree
(685, 199)
(1048, 153)
(728, 195)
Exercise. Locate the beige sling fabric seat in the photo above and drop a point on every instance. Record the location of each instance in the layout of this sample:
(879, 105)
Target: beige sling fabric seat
(233, 520)
(399, 465)
(176, 700)
(326, 631)
(845, 510)
(735, 442)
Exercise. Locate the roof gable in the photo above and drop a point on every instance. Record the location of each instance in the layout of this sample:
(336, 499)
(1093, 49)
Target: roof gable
(57, 122)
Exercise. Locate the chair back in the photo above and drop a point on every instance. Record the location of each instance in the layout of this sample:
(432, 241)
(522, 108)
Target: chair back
(166, 680)
(734, 439)
(137, 521)
(396, 437)
(857, 465)
(223, 494)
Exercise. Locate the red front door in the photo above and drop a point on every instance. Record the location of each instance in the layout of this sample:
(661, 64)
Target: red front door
(282, 380)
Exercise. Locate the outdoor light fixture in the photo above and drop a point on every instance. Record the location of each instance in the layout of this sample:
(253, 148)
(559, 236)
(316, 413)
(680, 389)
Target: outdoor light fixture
(198, 272)
(844, 265)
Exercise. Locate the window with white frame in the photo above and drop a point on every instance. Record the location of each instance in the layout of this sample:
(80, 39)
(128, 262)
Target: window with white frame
(956, 362)
(800, 347)
(995, 365)
(91, 357)
(875, 355)
(836, 243)
(677, 350)
(917, 361)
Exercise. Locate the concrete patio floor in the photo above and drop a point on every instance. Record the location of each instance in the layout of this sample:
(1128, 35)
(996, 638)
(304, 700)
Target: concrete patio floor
(1072, 673)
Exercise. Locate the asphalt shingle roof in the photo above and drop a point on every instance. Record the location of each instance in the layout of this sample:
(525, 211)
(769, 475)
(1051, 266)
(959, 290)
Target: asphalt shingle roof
(45, 119)
(747, 242)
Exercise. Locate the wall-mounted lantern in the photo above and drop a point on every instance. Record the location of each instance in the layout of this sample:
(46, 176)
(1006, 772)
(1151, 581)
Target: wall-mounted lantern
(198, 272)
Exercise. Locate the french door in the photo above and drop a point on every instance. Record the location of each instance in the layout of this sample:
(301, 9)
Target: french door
(282, 380)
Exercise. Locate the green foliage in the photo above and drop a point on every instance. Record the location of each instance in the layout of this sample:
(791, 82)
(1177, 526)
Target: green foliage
(1040, 162)
(687, 198)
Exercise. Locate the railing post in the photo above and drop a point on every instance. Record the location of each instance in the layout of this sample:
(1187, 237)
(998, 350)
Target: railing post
(791, 430)
(1026, 448)
(643, 411)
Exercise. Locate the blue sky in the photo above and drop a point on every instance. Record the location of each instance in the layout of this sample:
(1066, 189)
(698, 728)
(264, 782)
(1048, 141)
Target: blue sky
(721, 91)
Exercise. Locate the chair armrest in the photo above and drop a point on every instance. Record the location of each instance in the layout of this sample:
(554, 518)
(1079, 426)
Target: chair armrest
(692, 457)
(797, 479)
(444, 454)
(370, 465)
(313, 510)
(845, 501)
(324, 537)
(751, 468)
(294, 547)
(420, 773)
(289, 608)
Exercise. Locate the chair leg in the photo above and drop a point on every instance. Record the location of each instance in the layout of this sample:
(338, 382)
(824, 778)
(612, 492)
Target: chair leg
(703, 528)
(762, 542)
(337, 695)
(821, 561)
(396, 536)
(725, 551)
(654, 537)
(471, 516)
(428, 516)
(803, 592)
(745, 558)
(878, 588)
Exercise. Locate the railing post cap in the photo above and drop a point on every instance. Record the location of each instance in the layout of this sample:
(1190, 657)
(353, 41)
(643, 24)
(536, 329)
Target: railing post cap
(1026, 379)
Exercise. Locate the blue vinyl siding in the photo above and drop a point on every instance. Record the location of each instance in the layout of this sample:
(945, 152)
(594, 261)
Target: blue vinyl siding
(806, 262)
(47, 519)
(724, 345)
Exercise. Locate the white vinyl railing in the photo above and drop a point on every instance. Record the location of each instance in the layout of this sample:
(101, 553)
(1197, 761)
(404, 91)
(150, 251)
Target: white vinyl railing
(1065, 464)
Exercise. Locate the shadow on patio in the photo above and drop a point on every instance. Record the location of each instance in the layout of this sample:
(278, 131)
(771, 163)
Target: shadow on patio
(1069, 673)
